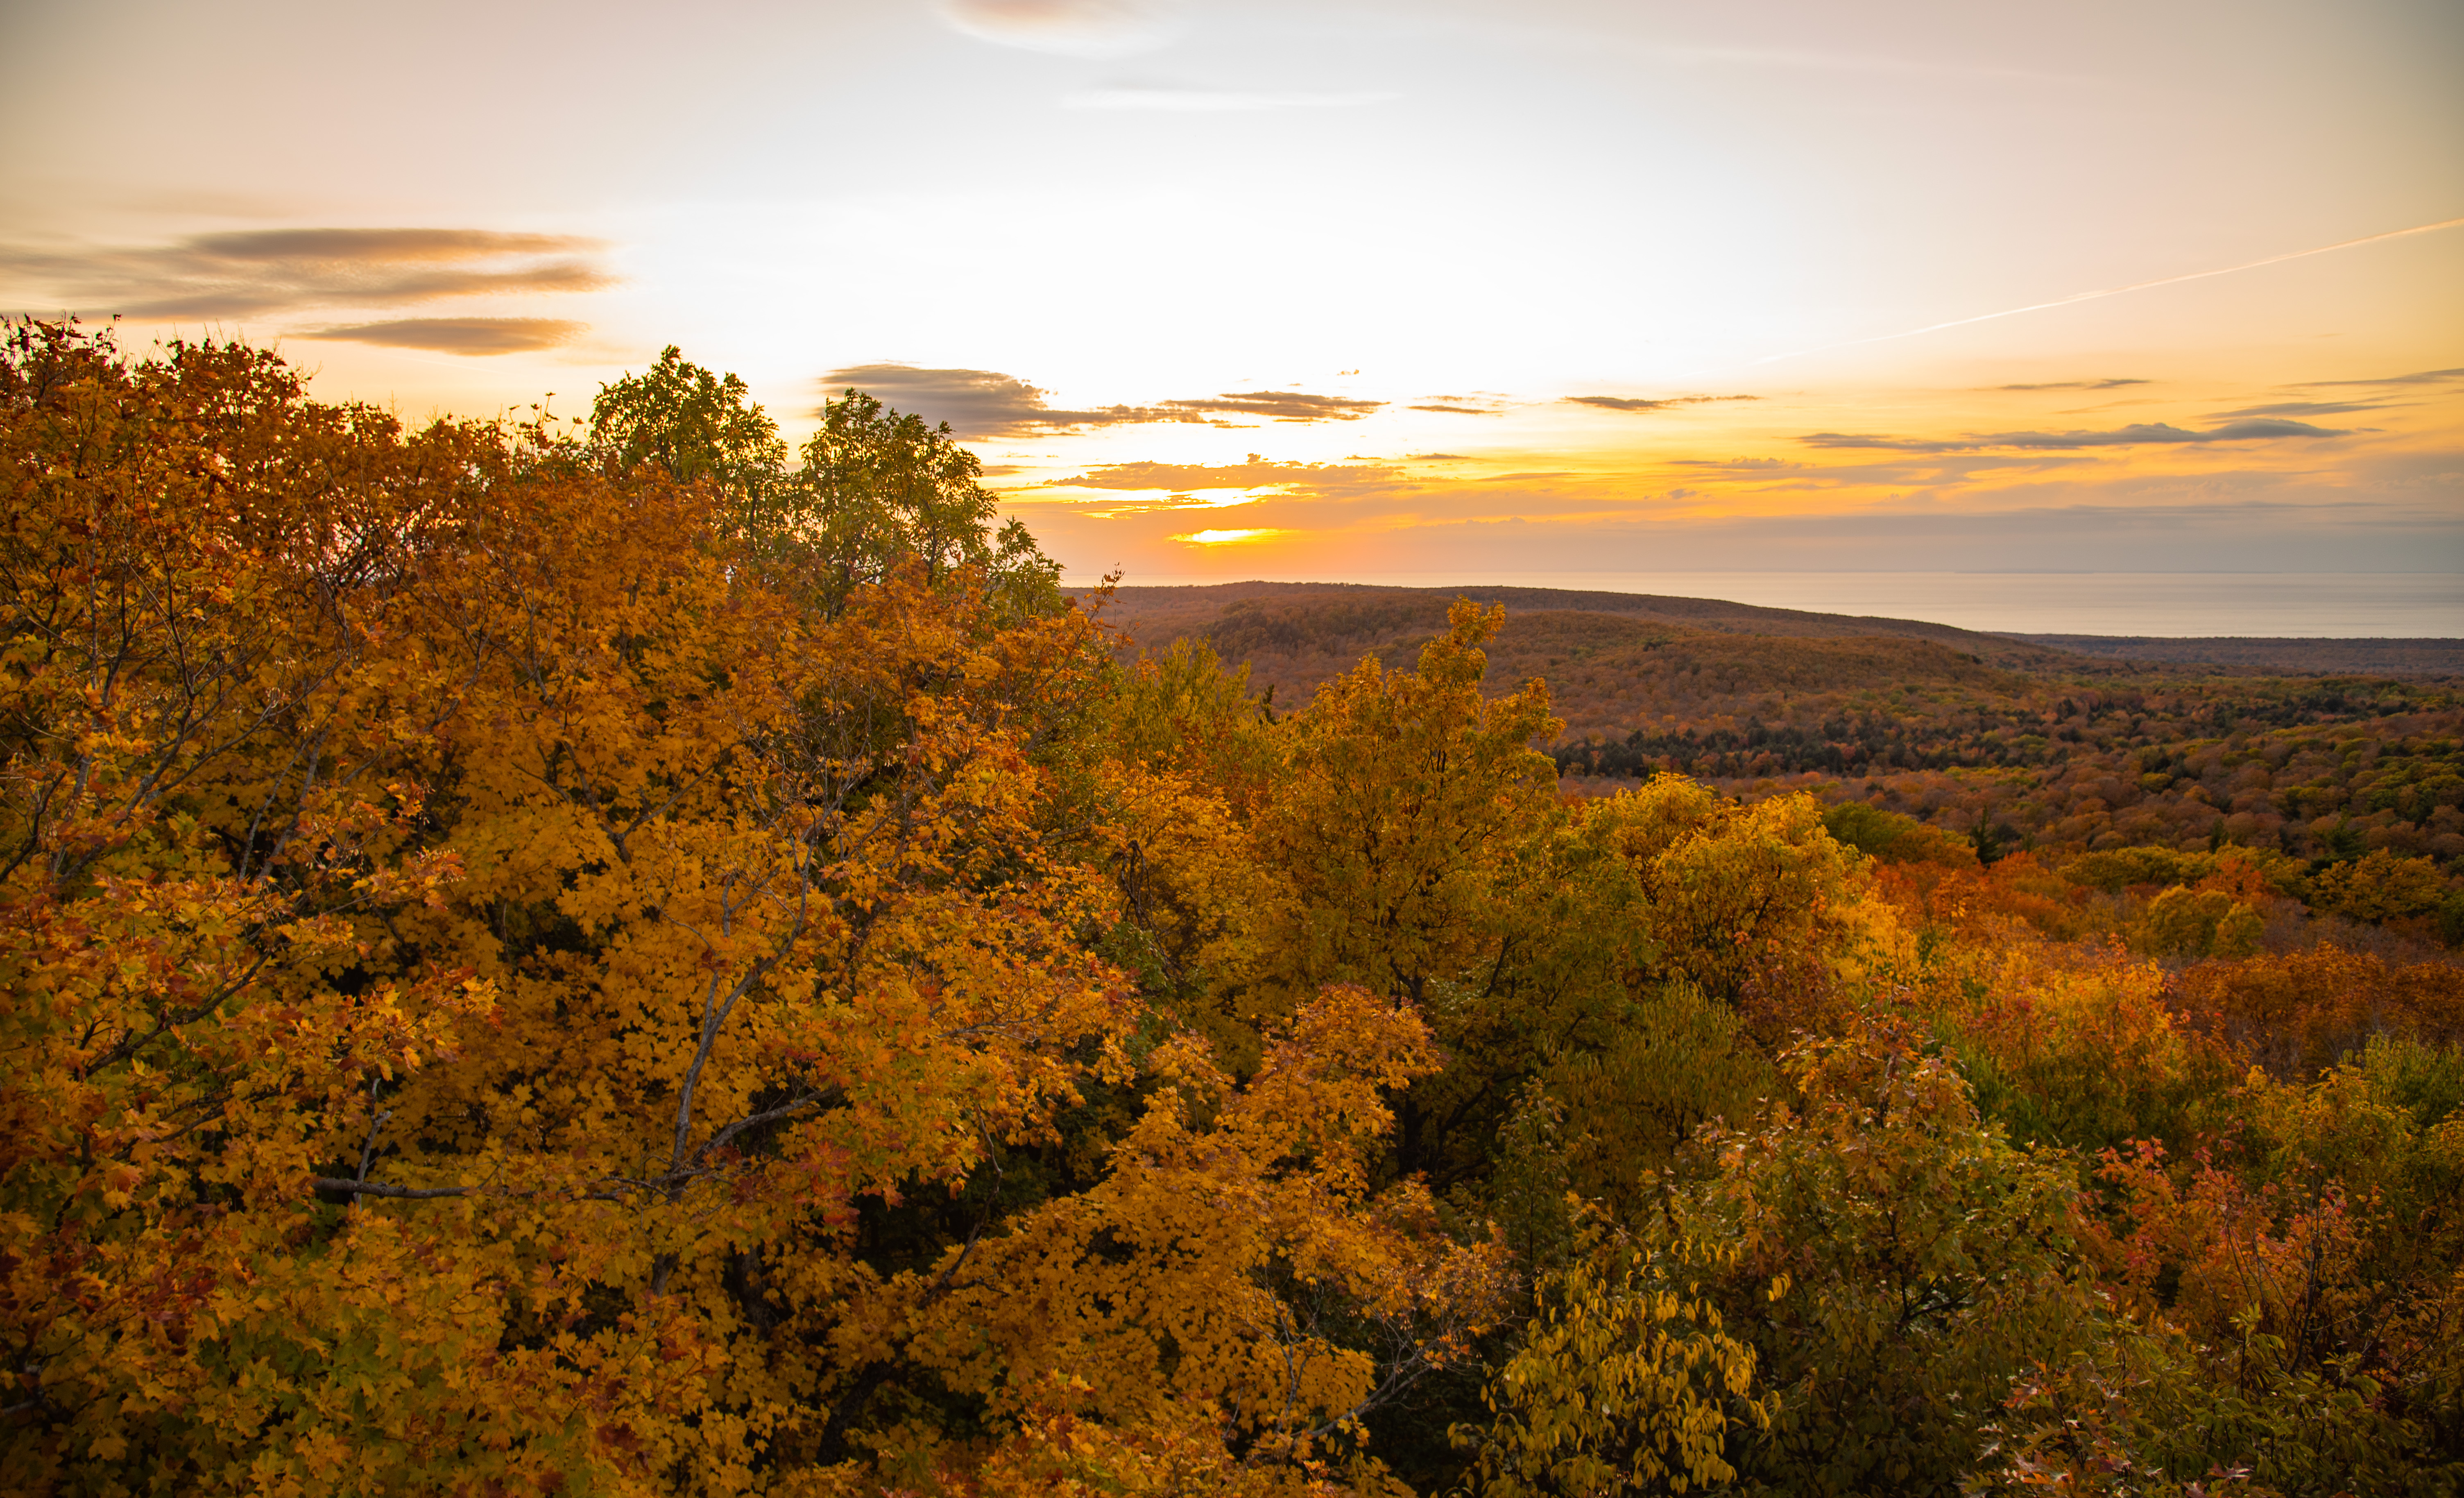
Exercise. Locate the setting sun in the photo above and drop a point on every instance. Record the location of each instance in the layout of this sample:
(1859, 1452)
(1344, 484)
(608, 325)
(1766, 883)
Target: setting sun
(1479, 290)
(1220, 538)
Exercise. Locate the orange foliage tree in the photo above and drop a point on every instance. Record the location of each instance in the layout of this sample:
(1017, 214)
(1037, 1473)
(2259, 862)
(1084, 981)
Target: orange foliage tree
(504, 994)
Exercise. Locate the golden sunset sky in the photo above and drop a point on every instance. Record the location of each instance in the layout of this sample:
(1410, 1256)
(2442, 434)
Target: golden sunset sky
(1244, 288)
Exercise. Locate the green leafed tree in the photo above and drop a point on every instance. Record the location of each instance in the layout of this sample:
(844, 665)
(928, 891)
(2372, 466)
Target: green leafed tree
(879, 486)
(1839, 1308)
(1626, 1380)
(878, 490)
(1899, 1265)
(690, 423)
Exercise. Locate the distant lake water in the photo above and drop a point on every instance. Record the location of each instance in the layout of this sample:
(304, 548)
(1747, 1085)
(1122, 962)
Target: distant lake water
(2302, 605)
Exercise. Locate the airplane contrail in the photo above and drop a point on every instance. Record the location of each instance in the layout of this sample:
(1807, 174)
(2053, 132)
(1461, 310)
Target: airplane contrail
(2116, 291)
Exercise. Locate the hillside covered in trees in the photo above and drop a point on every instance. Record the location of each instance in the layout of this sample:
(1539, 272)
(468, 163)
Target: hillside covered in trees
(597, 958)
(2002, 741)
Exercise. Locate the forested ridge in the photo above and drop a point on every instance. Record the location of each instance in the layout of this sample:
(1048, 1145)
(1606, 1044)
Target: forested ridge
(603, 955)
(1998, 740)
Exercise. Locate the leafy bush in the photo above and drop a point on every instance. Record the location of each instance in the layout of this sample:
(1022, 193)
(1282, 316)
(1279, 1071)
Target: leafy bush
(1891, 837)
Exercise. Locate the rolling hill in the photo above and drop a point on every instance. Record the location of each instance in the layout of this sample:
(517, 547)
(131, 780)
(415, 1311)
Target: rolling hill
(2074, 742)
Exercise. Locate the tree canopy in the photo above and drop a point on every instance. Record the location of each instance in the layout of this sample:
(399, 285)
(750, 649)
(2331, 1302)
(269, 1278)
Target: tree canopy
(874, 489)
(538, 962)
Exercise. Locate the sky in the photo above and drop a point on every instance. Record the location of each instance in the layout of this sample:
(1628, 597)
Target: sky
(1357, 288)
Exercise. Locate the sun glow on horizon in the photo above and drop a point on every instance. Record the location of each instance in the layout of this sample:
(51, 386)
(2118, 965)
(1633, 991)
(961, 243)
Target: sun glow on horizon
(1549, 285)
(1223, 537)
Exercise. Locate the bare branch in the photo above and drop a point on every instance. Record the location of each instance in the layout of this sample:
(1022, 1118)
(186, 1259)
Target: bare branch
(796, 1104)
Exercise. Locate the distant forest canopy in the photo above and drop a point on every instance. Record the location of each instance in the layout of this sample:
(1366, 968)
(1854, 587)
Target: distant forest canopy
(2005, 742)
(607, 957)
(2416, 656)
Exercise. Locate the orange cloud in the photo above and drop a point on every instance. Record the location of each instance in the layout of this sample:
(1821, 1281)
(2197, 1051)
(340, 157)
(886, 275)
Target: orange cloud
(472, 336)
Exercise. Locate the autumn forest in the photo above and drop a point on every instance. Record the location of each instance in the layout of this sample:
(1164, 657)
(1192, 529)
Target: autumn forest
(606, 954)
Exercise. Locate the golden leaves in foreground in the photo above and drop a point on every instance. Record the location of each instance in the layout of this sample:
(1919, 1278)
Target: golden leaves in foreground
(526, 972)
(503, 994)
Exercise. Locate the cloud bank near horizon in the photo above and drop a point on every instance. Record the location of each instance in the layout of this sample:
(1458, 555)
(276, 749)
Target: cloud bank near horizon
(2137, 434)
(981, 404)
(1636, 403)
(2254, 488)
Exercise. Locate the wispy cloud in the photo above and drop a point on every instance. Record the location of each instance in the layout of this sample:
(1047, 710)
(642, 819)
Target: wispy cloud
(1174, 99)
(284, 270)
(1266, 492)
(1273, 404)
(472, 336)
(2308, 409)
(2425, 377)
(1808, 60)
(1450, 408)
(2136, 434)
(1880, 442)
(2074, 385)
(1257, 472)
(984, 403)
(1636, 403)
(976, 403)
(2139, 286)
